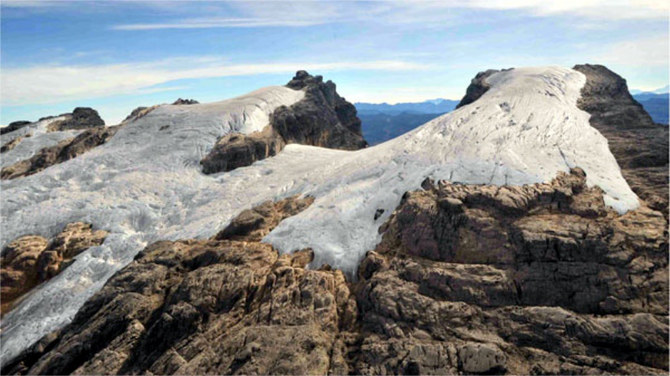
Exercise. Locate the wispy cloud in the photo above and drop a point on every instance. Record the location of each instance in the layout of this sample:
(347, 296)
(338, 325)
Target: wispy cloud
(53, 84)
(209, 23)
(308, 13)
(646, 52)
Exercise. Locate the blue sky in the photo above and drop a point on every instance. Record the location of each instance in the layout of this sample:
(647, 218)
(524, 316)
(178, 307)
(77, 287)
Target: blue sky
(118, 55)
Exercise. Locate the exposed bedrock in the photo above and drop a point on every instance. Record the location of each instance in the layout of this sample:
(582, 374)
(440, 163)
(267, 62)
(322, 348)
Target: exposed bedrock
(80, 118)
(322, 118)
(32, 259)
(639, 145)
(538, 279)
(207, 307)
(63, 151)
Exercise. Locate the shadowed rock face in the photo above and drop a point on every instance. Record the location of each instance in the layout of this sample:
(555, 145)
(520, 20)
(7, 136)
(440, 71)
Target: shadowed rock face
(539, 279)
(32, 259)
(322, 118)
(478, 86)
(63, 151)
(639, 145)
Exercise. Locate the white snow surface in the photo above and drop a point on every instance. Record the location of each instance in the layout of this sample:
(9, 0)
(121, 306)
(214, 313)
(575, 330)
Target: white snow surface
(145, 184)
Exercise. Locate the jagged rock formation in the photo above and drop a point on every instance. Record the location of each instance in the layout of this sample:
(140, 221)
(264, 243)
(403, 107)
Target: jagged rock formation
(639, 145)
(181, 101)
(11, 144)
(13, 126)
(538, 279)
(32, 259)
(478, 86)
(63, 151)
(206, 306)
(322, 118)
(80, 118)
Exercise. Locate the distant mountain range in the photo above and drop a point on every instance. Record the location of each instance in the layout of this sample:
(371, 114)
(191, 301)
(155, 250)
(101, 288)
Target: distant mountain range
(655, 104)
(383, 121)
(433, 106)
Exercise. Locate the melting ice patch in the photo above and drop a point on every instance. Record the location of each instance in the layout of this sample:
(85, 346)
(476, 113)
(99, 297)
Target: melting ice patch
(145, 184)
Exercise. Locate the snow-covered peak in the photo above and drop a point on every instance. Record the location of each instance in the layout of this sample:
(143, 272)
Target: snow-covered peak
(145, 184)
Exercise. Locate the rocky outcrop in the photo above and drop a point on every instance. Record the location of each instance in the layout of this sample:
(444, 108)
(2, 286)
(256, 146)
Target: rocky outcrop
(468, 279)
(63, 151)
(80, 118)
(478, 86)
(181, 101)
(639, 145)
(206, 307)
(322, 118)
(32, 259)
(14, 126)
(540, 279)
(11, 144)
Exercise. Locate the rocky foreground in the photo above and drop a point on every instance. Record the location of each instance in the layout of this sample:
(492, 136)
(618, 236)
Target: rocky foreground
(540, 279)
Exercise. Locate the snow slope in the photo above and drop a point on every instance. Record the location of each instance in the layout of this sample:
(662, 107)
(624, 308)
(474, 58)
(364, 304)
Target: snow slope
(145, 184)
(39, 139)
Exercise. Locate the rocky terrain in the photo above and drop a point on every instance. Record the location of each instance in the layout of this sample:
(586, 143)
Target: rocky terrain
(63, 151)
(322, 118)
(540, 279)
(31, 259)
(544, 278)
(639, 145)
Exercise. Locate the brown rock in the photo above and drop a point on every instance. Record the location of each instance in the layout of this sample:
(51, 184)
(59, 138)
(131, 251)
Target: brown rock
(11, 144)
(31, 259)
(535, 279)
(206, 306)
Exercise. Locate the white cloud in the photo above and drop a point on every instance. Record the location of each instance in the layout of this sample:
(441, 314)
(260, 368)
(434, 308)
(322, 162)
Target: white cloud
(53, 84)
(307, 13)
(209, 23)
(637, 53)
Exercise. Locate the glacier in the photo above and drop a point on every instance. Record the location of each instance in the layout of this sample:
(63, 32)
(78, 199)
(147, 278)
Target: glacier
(145, 184)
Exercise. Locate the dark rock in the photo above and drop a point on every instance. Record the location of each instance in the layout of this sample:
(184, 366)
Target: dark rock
(322, 118)
(639, 145)
(80, 118)
(238, 150)
(14, 126)
(478, 86)
(181, 101)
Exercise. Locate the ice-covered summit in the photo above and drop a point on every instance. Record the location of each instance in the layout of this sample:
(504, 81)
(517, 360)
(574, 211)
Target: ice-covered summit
(146, 184)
